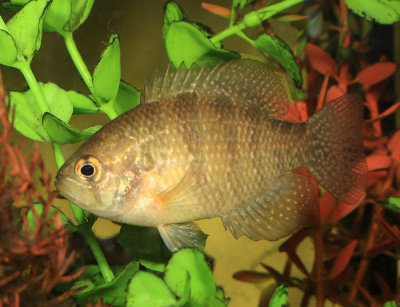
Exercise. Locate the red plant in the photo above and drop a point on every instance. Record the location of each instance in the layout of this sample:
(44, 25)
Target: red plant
(342, 266)
(34, 253)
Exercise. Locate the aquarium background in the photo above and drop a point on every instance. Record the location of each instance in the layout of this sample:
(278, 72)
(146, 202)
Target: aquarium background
(139, 26)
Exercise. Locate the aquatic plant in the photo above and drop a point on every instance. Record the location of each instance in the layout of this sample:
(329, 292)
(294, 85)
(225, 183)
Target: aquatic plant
(42, 113)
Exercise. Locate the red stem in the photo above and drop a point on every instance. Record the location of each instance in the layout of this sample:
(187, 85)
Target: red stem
(318, 242)
(364, 263)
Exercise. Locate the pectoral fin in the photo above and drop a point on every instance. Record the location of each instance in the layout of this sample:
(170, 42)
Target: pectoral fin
(176, 236)
(282, 208)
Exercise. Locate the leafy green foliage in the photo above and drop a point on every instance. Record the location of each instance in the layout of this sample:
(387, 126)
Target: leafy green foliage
(128, 97)
(277, 48)
(57, 15)
(146, 289)
(391, 203)
(26, 27)
(61, 133)
(80, 10)
(8, 55)
(107, 73)
(189, 266)
(188, 282)
(280, 296)
(383, 11)
(112, 292)
(28, 117)
(189, 43)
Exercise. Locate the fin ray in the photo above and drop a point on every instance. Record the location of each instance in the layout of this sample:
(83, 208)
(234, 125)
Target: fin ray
(245, 82)
(177, 236)
(282, 208)
(336, 154)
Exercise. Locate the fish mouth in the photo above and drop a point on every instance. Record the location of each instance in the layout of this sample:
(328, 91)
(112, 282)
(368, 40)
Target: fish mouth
(64, 187)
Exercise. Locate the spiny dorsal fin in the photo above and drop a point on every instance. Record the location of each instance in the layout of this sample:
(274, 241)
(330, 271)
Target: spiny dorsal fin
(284, 206)
(245, 82)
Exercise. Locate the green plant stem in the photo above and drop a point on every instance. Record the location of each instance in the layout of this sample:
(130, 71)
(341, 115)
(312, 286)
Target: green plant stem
(86, 228)
(108, 108)
(255, 18)
(78, 61)
(78, 212)
(105, 269)
(26, 71)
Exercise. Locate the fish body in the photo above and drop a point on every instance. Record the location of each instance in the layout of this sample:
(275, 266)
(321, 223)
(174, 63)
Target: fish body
(209, 142)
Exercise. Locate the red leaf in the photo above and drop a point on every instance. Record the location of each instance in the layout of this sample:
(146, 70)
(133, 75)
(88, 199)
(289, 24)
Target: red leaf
(375, 73)
(320, 60)
(334, 92)
(343, 259)
(378, 161)
(216, 9)
(252, 276)
(327, 203)
(394, 146)
(387, 112)
(297, 112)
(340, 211)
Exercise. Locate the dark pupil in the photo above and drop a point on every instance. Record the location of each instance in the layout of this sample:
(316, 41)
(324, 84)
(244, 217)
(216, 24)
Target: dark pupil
(87, 170)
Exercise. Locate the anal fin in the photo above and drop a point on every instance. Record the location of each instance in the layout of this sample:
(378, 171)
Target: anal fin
(176, 236)
(282, 208)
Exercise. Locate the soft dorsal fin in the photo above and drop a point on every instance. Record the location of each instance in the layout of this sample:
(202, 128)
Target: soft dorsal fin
(245, 82)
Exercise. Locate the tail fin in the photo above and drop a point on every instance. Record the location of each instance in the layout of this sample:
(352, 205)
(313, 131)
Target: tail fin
(336, 156)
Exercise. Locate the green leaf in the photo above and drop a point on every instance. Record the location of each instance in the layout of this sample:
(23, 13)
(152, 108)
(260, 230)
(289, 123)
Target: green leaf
(113, 292)
(8, 54)
(390, 304)
(15, 5)
(279, 297)
(28, 118)
(186, 43)
(172, 13)
(26, 27)
(107, 74)
(146, 289)
(277, 48)
(79, 13)
(57, 15)
(128, 97)
(220, 300)
(151, 265)
(383, 11)
(39, 211)
(391, 203)
(143, 242)
(61, 133)
(202, 284)
(82, 104)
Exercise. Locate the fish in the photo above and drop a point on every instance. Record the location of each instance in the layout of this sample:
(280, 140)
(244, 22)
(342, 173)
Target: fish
(210, 142)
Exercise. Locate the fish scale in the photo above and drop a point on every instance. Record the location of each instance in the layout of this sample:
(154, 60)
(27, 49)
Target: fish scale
(208, 142)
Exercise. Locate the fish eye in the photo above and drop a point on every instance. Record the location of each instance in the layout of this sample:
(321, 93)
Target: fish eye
(88, 168)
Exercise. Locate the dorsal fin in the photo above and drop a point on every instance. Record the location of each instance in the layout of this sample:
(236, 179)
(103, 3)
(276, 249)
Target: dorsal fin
(245, 82)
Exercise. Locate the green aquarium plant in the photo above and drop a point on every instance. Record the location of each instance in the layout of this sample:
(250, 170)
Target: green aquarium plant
(152, 275)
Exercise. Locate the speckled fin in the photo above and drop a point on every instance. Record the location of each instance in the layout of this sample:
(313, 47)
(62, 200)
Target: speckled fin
(283, 207)
(245, 82)
(176, 236)
(336, 156)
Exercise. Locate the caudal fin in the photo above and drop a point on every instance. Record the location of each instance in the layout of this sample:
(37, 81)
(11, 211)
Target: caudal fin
(336, 155)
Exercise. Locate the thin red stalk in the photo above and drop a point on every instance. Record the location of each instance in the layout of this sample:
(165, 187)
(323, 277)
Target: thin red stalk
(318, 242)
(363, 263)
(322, 92)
